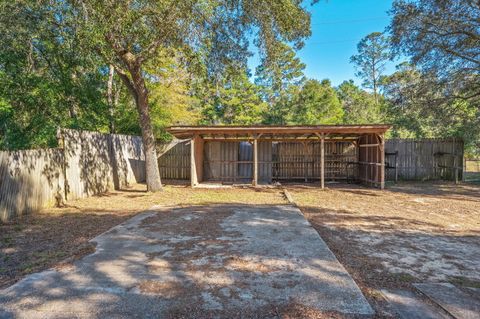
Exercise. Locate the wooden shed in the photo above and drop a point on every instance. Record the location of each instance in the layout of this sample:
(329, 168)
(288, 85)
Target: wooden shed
(263, 154)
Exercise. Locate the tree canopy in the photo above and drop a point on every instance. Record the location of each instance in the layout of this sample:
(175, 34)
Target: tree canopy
(442, 40)
(130, 34)
(137, 66)
(373, 54)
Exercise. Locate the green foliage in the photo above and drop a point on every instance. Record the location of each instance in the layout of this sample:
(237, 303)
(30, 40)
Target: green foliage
(189, 59)
(417, 107)
(279, 77)
(441, 38)
(373, 53)
(317, 103)
(358, 105)
(55, 54)
(45, 81)
(237, 102)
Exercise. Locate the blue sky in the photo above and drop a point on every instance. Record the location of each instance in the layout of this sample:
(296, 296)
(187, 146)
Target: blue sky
(337, 27)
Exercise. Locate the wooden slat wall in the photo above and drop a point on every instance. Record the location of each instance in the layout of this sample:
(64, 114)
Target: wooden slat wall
(87, 163)
(232, 161)
(30, 180)
(425, 159)
(369, 160)
(245, 154)
(96, 162)
(175, 164)
(128, 161)
(295, 160)
(221, 161)
(265, 161)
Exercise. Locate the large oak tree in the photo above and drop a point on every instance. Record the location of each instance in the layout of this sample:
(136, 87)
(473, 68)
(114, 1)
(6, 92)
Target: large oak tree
(442, 37)
(129, 33)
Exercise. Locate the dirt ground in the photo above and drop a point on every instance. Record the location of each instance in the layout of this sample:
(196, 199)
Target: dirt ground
(58, 235)
(410, 232)
(213, 261)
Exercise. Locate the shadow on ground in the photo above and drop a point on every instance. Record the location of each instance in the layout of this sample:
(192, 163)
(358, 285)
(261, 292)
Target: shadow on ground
(198, 261)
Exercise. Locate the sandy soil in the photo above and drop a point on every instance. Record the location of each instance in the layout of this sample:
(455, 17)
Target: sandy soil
(59, 235)
(410, 232)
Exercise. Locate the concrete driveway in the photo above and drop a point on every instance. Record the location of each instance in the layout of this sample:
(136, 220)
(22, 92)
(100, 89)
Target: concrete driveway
(215, 261)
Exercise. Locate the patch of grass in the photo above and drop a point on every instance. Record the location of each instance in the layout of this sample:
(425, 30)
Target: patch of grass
(404, 277)
(28, 267)
(376, 294)
(7, 240)
(464, 282)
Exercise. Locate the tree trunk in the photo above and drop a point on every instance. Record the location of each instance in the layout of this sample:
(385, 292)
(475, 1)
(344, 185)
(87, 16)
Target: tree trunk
(375, 83)
(154, 183)
(110, 99)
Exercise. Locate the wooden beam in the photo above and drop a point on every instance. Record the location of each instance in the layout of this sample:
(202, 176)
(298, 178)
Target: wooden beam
(382, 161)
(193, 168)
(368, 145)
(455, 168)
(255, 162)
(273, 139)
(199, 145)
(182, 131)
(322, 161)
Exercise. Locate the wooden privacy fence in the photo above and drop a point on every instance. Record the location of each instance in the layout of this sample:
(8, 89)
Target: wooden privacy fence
(30, 180)
(175, 163)
(89, 163)
(405, 159)
(85, 164)
(96, 162)
(424, 159)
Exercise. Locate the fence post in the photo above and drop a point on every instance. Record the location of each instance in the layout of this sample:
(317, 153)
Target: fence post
(61, 145)
(382, 161)
(322, 161)
(113, 161)
(255, 162)
(193, 168)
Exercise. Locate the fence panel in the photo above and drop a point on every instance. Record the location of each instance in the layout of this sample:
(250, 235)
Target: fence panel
(91, 163)
(128, 160)
(424, 159)
(96, 162)
(175, 163)
(88, 163)
(29, 180)
(296, 160)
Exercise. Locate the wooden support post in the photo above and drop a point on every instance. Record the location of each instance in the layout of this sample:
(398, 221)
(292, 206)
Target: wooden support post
(193, 166)
(455, 168)
(255, 162)
(322, 161)
(396, 167)
(455, 163)
(305, 163)
(382, 162)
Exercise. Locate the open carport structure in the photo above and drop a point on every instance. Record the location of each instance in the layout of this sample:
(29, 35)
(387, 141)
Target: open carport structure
(262, 154)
